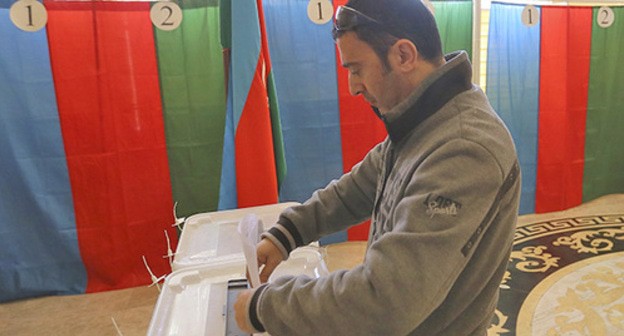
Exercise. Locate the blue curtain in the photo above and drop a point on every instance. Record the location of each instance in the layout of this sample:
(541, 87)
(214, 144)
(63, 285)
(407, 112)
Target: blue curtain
(513, 87)
(39, 252)
(303, 57)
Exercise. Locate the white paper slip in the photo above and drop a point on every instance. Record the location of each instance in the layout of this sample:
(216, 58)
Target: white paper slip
(249, 231)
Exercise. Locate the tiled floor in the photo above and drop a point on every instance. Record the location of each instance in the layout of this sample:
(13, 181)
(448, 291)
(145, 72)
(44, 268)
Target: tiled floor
(527, 302)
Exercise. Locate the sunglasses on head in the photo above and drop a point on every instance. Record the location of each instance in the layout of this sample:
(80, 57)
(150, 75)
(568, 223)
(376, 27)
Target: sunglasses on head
(347, 19)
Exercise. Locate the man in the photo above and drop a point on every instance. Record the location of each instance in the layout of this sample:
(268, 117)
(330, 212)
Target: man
(442, 191)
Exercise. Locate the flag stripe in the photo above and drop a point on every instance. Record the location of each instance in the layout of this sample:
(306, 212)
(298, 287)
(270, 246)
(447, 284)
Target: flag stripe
(193, 93)
(276, 127)
(111, 118)
(513, 87)
(564, 74)
(276, 123)
(227, 184)
(454, 20)
(39, 252)
(228, 198)
(256, 176)
(604, 153)
(245, 53)
(307, 98)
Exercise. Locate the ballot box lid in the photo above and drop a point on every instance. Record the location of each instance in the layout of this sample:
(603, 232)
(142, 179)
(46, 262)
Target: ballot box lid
(212, 236)
(193, 300)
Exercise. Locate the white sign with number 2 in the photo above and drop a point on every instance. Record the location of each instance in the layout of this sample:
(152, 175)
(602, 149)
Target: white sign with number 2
(166, 15)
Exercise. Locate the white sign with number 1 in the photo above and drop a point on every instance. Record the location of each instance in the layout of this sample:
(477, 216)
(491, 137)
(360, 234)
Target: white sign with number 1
(28, 15)
(320, 11)
(530, 16)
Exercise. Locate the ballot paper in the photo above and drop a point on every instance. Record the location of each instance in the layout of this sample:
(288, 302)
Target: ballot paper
(249, 229)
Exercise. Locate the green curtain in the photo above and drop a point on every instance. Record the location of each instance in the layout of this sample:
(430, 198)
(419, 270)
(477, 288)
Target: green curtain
(454, 19)
(604, 141)
(193, 92)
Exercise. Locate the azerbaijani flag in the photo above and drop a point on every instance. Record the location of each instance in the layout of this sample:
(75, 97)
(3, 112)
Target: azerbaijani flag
(253, 159)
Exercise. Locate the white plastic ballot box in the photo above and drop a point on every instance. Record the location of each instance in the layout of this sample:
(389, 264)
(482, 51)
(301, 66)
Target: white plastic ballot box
(209, 271)
(213, 236)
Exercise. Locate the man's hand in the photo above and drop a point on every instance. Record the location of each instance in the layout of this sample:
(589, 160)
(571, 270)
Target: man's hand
(240, 310)
(269, 256)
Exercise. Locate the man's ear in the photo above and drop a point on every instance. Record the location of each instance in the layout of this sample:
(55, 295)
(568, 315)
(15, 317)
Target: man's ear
(405, 55)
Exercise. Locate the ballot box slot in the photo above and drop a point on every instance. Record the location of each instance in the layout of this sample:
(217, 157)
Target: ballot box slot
(234, 287)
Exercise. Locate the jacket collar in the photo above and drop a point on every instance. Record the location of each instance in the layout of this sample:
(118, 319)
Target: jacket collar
(451, 79)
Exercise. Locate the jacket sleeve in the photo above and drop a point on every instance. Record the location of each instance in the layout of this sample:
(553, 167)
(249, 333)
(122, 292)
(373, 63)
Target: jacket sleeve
(407, 272)
(340, 204)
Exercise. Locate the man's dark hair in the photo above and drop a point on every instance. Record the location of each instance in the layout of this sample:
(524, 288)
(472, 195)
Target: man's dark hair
(409, 19)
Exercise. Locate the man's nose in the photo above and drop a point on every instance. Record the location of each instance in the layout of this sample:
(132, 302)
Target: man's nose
(355, 87)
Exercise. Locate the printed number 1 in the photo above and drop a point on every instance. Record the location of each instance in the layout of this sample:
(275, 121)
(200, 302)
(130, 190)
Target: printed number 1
(30, 21)
(320, 8)
(530, 16)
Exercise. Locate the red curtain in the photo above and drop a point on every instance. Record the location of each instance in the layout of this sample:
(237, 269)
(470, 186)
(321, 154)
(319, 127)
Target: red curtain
(111, 119)
(564, 78)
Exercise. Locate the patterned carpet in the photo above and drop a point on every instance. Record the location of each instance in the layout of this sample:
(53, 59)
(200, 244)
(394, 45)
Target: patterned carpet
(565, 277)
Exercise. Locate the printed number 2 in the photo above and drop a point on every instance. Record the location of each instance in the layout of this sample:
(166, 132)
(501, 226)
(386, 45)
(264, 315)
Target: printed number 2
(166, 21)
(605, 19)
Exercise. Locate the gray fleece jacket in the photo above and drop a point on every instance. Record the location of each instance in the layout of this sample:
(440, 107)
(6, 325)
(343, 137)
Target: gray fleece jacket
(442, 191)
